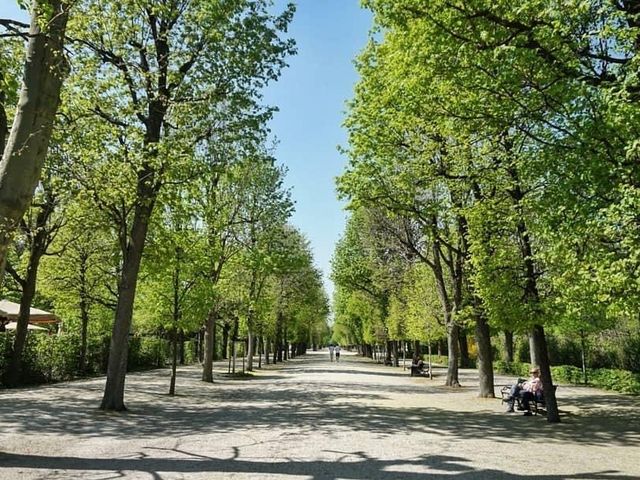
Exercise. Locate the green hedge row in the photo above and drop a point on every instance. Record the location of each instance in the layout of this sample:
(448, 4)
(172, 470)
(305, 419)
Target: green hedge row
(55, 358)
(622, 381)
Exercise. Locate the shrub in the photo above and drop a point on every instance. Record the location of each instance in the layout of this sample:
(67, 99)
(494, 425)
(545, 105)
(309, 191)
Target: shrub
(617, 380)
(54, 358)
(147, 352)
(190, 352)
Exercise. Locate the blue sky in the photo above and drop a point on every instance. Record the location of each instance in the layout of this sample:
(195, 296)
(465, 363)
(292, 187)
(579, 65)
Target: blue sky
(311, 96)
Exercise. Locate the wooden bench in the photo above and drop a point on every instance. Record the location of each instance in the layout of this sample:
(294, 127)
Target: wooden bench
(538, 405)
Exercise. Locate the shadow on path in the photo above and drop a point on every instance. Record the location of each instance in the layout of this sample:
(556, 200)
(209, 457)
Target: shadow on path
(352, 465)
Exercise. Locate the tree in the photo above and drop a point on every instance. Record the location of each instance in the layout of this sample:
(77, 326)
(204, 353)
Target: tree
(26, 147)
(166, 78)
(38, 228)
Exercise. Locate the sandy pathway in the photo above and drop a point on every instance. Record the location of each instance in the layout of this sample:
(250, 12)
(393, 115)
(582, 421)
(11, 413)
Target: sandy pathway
(311, 419)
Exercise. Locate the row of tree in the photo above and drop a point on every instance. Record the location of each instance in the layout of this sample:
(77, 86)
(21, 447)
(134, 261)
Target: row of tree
(155, 183)
(494, 172)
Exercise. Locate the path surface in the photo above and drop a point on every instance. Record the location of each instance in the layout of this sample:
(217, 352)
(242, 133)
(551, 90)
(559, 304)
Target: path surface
(312, 419)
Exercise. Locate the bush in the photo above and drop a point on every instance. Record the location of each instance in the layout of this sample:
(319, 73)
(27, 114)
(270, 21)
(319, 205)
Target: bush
(621, 381)
(147, 352)
(631, 353)
(190, 352)
(617, 380)
(55, 358)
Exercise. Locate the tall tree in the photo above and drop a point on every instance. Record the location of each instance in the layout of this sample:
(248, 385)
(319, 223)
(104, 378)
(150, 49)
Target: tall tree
(166, 78)
(26, 147)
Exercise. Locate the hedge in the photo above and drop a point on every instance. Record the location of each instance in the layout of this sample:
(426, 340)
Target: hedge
(55, 358)
(622, 381)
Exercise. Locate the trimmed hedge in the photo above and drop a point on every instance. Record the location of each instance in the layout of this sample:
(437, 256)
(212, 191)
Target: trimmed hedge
(621, 381)
(55, 358)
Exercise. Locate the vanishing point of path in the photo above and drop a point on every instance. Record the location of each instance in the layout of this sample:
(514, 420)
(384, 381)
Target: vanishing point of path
(311, 419)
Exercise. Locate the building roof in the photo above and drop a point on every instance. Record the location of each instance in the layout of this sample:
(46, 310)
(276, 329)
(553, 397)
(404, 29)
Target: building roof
(9, 311)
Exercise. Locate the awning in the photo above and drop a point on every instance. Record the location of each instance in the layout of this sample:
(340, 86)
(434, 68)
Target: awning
(9, 312)
(14, 325)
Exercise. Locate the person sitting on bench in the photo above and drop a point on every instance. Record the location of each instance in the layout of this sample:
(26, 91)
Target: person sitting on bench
(526, 391)
(417, 366)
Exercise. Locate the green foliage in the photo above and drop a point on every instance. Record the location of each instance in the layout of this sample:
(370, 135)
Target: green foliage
(147, 352)
(617, 380)
(54, 358)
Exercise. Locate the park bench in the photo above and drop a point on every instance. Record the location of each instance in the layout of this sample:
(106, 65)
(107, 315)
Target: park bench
(538, 405)
(419, 370)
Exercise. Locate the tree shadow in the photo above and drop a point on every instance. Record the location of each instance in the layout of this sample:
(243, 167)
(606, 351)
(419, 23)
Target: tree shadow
(303, 407)
(350, 465)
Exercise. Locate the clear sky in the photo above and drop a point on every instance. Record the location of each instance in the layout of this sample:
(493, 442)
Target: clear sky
(311, 96)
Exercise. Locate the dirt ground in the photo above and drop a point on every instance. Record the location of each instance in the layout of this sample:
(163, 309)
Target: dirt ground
(312, 419)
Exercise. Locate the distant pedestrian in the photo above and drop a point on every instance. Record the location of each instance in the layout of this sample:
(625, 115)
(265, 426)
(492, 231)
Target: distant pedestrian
(337, 352)
(331, 352)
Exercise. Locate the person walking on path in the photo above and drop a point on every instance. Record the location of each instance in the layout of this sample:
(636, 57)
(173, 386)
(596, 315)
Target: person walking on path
(331, 352)
(337, 352)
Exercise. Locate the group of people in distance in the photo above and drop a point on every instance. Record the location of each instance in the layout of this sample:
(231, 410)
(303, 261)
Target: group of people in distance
(334, 351)
(525, 391)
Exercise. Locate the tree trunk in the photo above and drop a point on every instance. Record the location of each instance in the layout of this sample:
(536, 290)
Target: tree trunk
(39, 243)
(452, 344)
(583, 356)
(250, 350)
(465, 361)
(214, 340)
(278, 346)
(225, 340)
(533, 354)
(395, 353)
(26, 147)
(285, 343)
(540, 345)
(14, 370)
(113, 398)
(485, 362)
(207, 364)
(84, 315)
(275, 351)
(174, 363)
(508, 346)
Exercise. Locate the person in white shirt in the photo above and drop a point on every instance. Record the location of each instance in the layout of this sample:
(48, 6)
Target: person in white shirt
(337, 352)
(526, 391)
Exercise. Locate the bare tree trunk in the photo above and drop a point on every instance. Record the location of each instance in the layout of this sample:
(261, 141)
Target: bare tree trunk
(453, 344)
(533, 354)
(84, 314)
(465, 360)
(113, 398)
(26, 147)
(508, 346)
(14, 370)
(250, 350)
(485, 362)
(214, 339)
(225, 340)
(209, 346)
(583, 356)
(174, 363)
(540, 344)
(395, 353)
(260, 348)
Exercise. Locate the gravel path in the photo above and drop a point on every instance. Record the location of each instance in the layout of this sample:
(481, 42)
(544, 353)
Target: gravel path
(312, 419)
